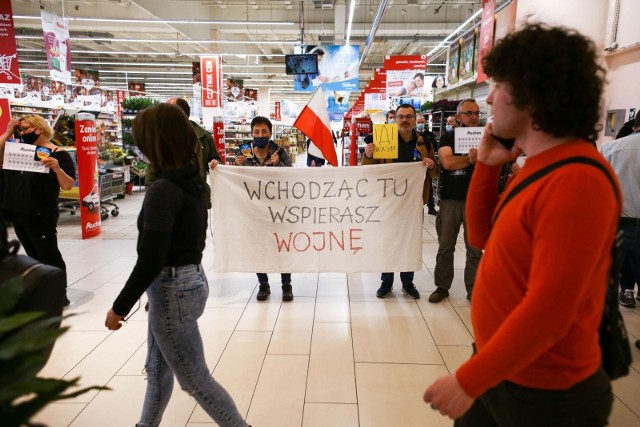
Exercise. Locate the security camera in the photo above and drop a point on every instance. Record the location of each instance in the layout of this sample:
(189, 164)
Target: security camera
(612, 46)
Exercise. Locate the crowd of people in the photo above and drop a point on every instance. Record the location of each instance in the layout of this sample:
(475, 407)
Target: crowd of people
(526, 266)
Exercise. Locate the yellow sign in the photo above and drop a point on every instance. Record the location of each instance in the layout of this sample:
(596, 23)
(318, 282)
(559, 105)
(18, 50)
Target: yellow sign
(385, 141)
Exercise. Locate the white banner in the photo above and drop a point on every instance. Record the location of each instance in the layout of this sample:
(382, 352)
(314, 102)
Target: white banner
(303, 220)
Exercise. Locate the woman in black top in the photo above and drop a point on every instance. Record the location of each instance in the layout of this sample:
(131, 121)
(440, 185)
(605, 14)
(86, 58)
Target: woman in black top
(30, 199)
(172, 231)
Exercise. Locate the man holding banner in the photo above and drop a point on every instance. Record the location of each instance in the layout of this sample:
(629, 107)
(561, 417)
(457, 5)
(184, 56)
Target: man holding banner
(411, 148)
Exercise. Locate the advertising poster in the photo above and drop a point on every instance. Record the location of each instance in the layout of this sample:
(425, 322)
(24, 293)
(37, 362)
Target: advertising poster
(87, 89)
(136, 88)
(467, 47)
(337, 101)
(407, 82)
(87, 155)
(454, 62)
(211, 81)
(57, 46)
(278, 113)
(250, 95)
(337, 68)
(486, 35)
(9, 72)
(235, 90)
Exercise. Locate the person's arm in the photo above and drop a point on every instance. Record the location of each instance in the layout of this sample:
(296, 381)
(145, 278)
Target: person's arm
(451, 162)
(161, 205)
(61, 164)
(8, 133)
(283, 157)
(210, 148)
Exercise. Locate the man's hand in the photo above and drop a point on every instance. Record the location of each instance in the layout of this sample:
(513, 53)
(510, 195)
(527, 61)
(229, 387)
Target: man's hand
(491, 152)
(113, 321)
(368, 150)
(240, 160)
(430, 164)
(473, 155)
(447, 397)
(212, 164)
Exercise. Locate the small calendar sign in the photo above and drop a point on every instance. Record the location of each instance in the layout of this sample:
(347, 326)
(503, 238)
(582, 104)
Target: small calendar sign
(466, 138)
(20, 157)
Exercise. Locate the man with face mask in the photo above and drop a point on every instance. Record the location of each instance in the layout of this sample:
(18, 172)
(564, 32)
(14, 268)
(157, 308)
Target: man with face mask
(451, 123)
(267, 153)
(430, 138)
(453, 185)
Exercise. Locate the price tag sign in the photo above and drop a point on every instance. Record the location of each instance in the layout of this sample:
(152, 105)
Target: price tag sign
(385, 141)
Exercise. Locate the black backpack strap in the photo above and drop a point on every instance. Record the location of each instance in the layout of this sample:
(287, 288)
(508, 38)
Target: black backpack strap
(550, 168)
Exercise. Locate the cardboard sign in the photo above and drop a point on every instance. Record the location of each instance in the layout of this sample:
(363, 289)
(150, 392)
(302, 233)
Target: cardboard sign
(385, 141)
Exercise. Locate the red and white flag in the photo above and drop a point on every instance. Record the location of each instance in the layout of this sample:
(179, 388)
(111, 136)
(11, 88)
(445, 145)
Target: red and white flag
(313, 121)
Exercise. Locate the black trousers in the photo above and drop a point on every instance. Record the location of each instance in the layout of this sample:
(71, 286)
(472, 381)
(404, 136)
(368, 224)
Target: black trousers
(431, 204)
(285, 277)
(586, 404)
(38, 236)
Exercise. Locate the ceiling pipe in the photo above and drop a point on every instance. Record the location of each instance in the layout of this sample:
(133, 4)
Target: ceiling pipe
(372, 34)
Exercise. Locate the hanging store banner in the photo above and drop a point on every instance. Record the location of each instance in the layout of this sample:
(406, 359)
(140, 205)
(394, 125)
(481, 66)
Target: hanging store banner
(5, 113)
(120, 95)
(278, 112)
(304, 220)
(87, 156)
(407, 82)
(9, 72)
(337, 68)
(486, 35)
(87, 89)
(211, 81)
(57, 46)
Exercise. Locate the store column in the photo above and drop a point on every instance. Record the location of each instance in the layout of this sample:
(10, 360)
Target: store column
(264, 101)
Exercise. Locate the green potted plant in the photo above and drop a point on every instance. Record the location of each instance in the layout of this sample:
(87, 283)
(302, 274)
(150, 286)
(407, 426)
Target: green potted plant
(24, 339)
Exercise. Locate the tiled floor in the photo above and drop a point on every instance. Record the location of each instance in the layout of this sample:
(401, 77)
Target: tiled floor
(335, 356)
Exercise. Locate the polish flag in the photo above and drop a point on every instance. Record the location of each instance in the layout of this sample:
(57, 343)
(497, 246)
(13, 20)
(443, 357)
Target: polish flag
(313, 121)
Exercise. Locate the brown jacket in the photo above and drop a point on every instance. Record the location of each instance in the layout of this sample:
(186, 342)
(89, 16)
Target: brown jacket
(424, 151)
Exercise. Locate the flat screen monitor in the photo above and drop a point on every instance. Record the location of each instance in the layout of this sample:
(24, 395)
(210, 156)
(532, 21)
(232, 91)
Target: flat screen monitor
(301, 64)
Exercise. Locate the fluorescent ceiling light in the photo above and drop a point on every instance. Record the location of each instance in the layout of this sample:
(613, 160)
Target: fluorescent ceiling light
(351, 9)
(107, 39)
(161, 21)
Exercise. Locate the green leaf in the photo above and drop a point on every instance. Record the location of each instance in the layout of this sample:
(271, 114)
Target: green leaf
(16, 321)
(10, 292)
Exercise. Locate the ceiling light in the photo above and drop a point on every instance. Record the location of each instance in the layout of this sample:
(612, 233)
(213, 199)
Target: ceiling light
(455, 32)
(162, 21)
(107, 39)
(351, 9)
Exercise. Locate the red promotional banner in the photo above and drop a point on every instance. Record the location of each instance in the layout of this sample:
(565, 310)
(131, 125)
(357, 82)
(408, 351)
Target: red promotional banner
(119, 98)
(405, 62)
(486, 35)
(211, 69)
(5, 113)
(9, 72)
(277, 117)
(87, 156)
(218, 138)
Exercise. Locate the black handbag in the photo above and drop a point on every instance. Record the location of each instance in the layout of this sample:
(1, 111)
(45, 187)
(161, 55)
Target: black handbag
(44, 285)
(614, 341)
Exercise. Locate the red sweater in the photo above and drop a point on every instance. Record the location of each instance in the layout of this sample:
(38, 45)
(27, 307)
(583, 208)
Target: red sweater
(539, 290)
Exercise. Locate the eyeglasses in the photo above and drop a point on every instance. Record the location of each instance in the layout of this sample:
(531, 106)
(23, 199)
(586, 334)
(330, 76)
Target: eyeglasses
(471, 113)
(405, 117)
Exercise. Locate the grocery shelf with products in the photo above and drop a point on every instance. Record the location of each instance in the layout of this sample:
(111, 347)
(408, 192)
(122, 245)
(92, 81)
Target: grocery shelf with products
(49, 114)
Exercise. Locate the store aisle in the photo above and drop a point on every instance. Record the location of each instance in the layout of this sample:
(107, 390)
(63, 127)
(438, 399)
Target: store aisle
(335, 356)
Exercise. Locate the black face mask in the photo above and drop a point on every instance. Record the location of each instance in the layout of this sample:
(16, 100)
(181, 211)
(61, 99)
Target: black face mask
(29, 138)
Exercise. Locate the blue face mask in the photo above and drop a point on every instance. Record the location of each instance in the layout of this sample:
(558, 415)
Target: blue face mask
(260, 141)
(420, 127)
(449, 128)
(391, 121)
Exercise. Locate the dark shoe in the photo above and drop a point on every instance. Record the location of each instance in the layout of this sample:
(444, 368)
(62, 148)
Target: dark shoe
(146, 306)
(432, 211)
(626, 298)
(67, 303)
(469, 296)
(287, 292)
(638, 344)
(384, 289)
(438, 295)
(410, 289)
(263, 292)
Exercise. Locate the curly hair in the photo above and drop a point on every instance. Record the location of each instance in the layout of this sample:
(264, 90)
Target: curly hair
(554, 74)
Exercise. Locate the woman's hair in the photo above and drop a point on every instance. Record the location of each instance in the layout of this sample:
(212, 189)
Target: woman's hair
(166, 137)
(561, 91)
(38, 122)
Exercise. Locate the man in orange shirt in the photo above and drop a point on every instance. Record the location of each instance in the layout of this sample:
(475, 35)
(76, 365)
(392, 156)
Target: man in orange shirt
(540, 287)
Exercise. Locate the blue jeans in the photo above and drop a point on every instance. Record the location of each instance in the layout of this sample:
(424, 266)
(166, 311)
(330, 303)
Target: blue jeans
(177, 299)
(405, 277)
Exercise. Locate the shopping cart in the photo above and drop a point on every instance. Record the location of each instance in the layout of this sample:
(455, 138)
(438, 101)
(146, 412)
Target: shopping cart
(111, 184)
(5, 66)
